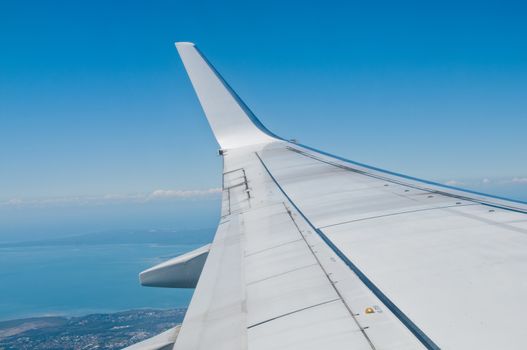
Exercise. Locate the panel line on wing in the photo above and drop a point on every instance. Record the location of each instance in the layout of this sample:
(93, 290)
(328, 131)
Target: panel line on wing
(398, 213)
(292, 312)
(505, 226)
(281, 274)
(273, 247)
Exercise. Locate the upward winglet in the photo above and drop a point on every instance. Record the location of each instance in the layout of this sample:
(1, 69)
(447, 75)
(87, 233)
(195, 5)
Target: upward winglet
(233, 123)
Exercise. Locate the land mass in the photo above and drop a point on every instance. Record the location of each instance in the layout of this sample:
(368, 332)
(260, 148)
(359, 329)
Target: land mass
(95, 331)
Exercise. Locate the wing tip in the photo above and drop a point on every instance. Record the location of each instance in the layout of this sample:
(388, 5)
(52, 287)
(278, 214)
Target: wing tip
(183, 43)
(232, 122)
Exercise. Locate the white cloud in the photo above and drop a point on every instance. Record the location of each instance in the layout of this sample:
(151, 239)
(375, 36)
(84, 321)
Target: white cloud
(14, 201)
(485, 181)
(454, 183)
(184, 193)
(519, 180)
(113, 198)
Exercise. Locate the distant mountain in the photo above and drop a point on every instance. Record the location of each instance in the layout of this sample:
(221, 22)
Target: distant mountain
(197, 236)
(96, 331)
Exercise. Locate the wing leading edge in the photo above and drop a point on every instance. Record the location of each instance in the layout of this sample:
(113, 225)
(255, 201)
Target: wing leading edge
(315, 251)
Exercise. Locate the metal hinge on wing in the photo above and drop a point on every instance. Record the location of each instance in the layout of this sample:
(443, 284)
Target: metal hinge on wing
(232, 181)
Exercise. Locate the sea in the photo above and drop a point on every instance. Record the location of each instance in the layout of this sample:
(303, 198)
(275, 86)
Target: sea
(77, 260)
(75, 280)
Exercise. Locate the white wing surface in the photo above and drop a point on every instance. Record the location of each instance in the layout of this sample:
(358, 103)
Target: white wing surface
(317, 252)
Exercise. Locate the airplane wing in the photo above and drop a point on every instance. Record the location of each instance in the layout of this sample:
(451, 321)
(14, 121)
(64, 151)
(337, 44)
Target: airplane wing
(314, 251)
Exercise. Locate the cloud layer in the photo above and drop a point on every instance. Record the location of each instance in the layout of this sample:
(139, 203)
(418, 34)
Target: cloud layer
(157, 195)
(167, 194)
(487, 181)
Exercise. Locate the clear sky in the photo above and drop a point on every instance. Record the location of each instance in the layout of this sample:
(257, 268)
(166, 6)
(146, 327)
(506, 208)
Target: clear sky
(94, 100)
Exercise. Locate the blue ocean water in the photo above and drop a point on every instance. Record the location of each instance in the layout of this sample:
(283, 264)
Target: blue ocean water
(73, 280)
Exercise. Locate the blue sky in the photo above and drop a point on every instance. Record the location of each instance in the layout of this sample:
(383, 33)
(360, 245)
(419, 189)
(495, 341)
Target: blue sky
(94, 100)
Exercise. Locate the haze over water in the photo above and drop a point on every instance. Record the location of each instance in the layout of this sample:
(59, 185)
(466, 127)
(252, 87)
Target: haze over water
(58, 268)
